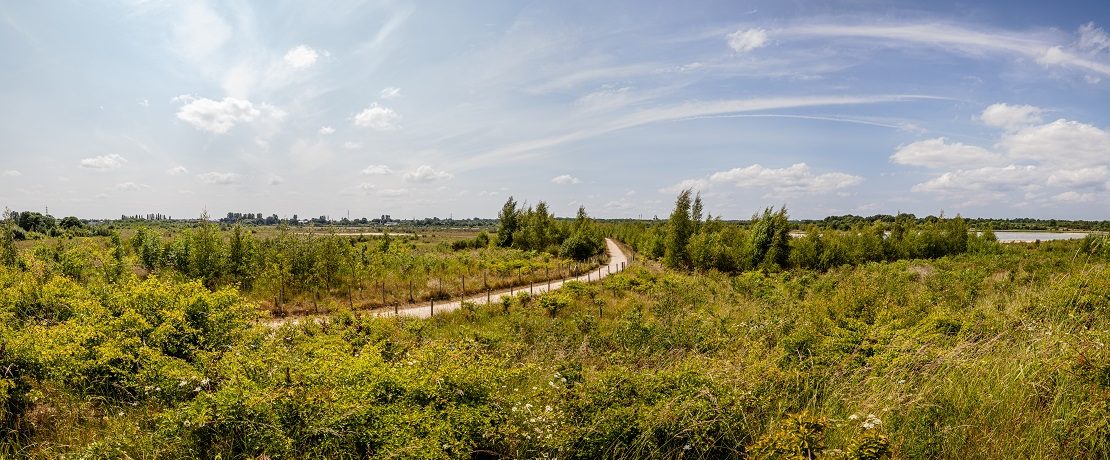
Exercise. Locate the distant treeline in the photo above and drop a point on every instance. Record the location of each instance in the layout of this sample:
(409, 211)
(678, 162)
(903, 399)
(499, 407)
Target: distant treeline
(848, 221)
(689, 240)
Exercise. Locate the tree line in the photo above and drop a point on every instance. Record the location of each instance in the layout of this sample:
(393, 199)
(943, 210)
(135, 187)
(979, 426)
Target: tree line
(769, 241)
(537, 229)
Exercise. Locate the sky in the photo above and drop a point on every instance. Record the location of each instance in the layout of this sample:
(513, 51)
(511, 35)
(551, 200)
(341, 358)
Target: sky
(420, 109)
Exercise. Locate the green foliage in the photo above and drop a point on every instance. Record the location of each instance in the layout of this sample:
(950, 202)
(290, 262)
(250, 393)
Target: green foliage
(801, 437)
(770, 239)
(679, 228)
(972, 355)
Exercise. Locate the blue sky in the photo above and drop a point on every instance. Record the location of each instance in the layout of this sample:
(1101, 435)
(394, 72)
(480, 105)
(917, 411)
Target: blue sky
(446, 108)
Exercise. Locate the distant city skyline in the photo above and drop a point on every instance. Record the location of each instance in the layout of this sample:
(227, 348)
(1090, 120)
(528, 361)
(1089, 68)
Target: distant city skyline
(988, 109)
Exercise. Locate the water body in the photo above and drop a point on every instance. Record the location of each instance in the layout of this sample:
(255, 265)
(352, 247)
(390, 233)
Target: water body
(1022, 237)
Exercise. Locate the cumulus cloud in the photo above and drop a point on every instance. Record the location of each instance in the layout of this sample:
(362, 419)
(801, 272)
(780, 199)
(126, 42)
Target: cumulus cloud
(426, 173)
(985, 179)
(1064, 142)
(220, 116)
(1079, 178)
(939, 153)
(1072, 196)
(378, 118)
(104, 162)
(791, 180)
(376, 170)
(11, 173)
(390, 92)
(1011, 116)
(565, 179)
(1033, 163)
(301, 57)
(694, 184)
(796, 178)
(275, 179)
(218, 178)
(177, 170)
(326, 130)
(743, 41)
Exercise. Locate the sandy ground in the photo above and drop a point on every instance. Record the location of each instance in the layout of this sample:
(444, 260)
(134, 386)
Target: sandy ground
(618, 260)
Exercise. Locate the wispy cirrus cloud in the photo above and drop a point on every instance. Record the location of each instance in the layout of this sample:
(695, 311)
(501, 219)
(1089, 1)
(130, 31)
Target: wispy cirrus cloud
(677, 112)
(1046, 47)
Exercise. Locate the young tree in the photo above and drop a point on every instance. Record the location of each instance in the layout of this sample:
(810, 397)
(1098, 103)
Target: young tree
(9, 256)
(696, 214)
(770, 239)
(679, 228)
(509, 217)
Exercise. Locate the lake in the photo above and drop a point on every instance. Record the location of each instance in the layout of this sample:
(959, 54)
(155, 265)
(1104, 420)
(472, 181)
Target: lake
(1018, 237)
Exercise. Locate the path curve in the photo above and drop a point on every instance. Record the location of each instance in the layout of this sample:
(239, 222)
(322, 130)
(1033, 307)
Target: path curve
(618, 260)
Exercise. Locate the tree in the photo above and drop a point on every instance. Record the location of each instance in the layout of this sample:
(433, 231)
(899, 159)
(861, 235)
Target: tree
(242, 258)
(770, 239)
(72, 222)
(510, 222)
(696, 214)
(679, 228)
(9, 256)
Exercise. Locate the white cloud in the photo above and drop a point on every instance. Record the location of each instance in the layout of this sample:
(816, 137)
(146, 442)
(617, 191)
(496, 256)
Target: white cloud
(200, 32)
(796, 178)
(605, 99)
(793, 179)
(938, 153)
(1011, 116)
(743, 41)
(177, 170)
(218, 178)
(1074, 197)
(1061, 161)
(104, 162)
(1041, 47)
(377, 170)
(390, 92)
(378, 118)
(10, 173)
(275, 179)
(144, 103)
(682, 111)
(695, 184)
(426, 173)
(326, 130)
(130, 187)
(989, 178)
(301, 57)
(220, 116)
(622, 204)
(1079, 178)
(351, 145)
(366, 186)
(393, 192)
(1093, 39)
(565, 179)
(1062, 142)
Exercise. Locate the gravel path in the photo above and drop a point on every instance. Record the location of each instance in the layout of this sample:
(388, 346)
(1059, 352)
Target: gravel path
(617, 262)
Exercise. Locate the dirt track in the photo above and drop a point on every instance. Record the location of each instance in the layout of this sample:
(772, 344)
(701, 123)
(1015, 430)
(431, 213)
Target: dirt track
(618, 260)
